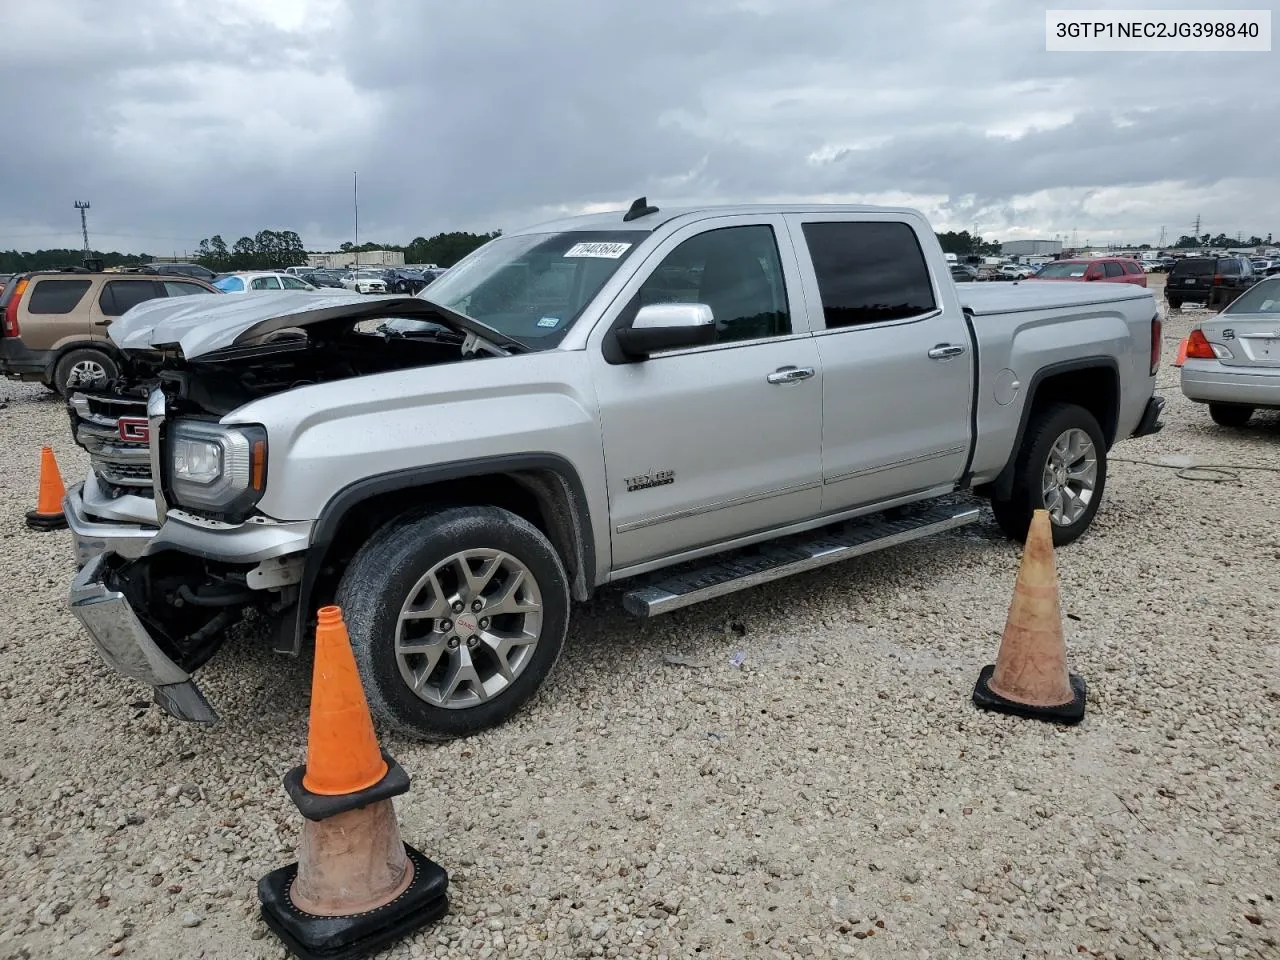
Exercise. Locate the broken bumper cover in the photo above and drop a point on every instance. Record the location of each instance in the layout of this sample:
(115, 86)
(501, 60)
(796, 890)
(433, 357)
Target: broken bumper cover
(123, 641)
(1150, 422)
(93, 537)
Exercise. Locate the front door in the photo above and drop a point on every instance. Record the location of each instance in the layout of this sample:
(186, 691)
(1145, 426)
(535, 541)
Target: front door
(707, 444)
(897, 365)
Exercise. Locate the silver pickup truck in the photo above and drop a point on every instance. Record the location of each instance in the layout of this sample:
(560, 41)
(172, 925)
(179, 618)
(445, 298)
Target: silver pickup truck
(687, 402)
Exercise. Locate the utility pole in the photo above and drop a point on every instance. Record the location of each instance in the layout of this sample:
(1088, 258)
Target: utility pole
(355, 206)
(82, 206)
(1161, 243)
(1196, 228)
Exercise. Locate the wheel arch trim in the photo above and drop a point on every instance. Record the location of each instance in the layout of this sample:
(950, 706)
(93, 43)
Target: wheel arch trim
(516, 466)
(1001, 488)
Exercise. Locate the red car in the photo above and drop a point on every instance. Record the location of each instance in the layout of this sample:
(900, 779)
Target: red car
(1106, 269)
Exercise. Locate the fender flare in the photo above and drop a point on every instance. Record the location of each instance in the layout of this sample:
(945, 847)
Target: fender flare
(341, 503)
(1001, 488)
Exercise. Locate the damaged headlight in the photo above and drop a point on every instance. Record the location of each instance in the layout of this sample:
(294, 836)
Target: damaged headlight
(217, 469)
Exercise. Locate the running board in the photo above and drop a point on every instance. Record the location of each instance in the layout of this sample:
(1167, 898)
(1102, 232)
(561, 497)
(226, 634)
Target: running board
(795, 554)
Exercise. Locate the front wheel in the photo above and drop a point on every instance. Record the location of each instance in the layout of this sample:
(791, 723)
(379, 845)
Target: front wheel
(455, 619)
(1230, 414)
(1061, 468)
(84, 367)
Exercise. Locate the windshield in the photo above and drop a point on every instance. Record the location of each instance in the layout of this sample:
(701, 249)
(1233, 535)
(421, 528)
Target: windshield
(1063, 269)
(532, 287)
(1262, 297)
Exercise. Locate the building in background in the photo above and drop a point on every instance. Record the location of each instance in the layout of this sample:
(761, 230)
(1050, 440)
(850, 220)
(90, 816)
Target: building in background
(1031, 248)
(368, 258)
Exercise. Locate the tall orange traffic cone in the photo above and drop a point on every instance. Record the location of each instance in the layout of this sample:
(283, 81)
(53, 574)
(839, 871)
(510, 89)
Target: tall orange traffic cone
(48, 513)
(1030, 677)
(356, 886)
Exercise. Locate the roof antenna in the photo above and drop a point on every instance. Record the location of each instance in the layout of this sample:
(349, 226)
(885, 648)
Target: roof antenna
(639, 209)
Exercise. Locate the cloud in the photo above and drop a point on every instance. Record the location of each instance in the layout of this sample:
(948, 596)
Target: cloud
(186, 119)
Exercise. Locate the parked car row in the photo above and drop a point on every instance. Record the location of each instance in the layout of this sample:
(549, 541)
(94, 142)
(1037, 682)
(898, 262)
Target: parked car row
(1213, 281)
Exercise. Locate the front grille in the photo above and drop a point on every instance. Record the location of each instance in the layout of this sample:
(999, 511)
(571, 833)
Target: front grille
(123, 466)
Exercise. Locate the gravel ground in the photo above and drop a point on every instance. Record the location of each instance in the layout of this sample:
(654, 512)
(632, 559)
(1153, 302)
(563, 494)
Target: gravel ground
(836, 795)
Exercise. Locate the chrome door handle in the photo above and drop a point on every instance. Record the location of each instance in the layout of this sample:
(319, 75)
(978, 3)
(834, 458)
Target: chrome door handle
(790, 374)
(945, 351)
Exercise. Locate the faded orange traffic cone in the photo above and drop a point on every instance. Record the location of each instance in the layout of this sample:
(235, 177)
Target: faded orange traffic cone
(48, 513)
(1182, 353)
(356, 886)
(1030, 677)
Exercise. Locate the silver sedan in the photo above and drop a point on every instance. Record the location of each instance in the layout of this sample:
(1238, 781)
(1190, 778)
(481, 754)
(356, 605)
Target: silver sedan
(1233, 360)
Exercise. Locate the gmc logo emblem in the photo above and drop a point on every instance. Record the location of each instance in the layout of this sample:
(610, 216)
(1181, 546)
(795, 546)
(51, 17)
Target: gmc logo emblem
(134, 429)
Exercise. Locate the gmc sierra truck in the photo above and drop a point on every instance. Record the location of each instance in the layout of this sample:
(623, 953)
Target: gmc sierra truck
(687, 402)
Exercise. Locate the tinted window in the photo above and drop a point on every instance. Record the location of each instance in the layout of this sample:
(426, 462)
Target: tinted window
(120, 295)
(293, 283)
(868, 272)
(1229, 268)
(1131, 267)
(1194, 266)
(56, 296)
(265, 283)
(736, 272)
(180, 288)
(1064, 269)
(1113, 269)
(230, 285)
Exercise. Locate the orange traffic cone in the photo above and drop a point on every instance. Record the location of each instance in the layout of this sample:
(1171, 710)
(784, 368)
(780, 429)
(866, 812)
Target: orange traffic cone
(356, 886)
(48, 513)
(1182, 353)
(1030, 677)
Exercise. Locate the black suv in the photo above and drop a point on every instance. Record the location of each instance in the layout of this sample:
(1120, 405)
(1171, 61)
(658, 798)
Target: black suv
(1213, 281)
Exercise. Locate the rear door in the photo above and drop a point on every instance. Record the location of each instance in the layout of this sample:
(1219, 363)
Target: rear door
(897, 367)
(1112, 272)
(117, 297)
(53, 312)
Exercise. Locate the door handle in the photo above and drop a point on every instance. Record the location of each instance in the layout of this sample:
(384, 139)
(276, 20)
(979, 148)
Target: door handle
(945, 351)
(790, 374)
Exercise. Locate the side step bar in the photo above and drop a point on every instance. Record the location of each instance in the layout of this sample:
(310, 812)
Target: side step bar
(795, 554)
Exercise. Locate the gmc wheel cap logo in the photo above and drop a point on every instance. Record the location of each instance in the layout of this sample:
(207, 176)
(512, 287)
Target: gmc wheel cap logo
(134, 429)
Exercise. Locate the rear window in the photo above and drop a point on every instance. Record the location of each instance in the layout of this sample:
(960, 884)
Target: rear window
(1262, 297)
(180, 288)
(1131, 267)
(1064, 270)
(119, 296)
(56, 296)
(1197, 266)
(868, 272)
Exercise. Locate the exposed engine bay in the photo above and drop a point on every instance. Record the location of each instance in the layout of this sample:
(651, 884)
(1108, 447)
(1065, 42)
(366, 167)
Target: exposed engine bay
(190, 602)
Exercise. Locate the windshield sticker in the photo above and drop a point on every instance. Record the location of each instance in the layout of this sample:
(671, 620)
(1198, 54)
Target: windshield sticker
(549, 322)
(609, 251)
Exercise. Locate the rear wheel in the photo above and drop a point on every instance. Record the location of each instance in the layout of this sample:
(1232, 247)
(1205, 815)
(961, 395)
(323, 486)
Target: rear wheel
(455, 619)
(1061, 468)
(1230, 414)
(1175, 303)
(83, 368)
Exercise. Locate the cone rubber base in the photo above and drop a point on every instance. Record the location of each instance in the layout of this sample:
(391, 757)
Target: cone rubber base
(988, 699)
(46, 521)
(312, 937)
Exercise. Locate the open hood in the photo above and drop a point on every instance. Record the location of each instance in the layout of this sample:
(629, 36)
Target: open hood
(198, 325)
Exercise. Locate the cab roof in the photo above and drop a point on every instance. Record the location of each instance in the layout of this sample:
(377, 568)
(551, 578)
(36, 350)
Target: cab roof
(615, 219)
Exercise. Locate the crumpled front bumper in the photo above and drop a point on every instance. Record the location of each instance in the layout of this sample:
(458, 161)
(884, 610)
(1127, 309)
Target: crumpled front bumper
(126, 645)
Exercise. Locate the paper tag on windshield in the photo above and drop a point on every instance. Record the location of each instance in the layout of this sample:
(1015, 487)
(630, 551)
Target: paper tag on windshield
(549, 322)
(608, 251)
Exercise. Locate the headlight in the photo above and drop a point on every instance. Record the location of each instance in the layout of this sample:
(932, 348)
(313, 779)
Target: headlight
(216, 469)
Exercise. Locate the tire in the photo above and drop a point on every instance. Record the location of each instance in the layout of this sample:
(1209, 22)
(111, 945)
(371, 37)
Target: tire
(1230, 414)
(1046, 429)
(390, 570)
(76, 364)
(1175, 303)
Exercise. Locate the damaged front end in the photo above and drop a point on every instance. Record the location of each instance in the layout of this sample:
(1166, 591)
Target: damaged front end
(171, 549)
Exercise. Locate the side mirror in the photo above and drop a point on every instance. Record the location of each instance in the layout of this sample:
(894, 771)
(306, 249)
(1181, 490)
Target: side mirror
(667, 326)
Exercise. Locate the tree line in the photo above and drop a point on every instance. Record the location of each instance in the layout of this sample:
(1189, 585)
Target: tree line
(11, 261)
(963, 244)
(1221, 240)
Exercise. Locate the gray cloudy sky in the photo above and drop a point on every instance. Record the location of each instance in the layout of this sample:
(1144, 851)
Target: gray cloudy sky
(179, 119)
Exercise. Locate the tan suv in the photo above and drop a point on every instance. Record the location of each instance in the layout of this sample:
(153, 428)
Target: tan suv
(53, 323)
